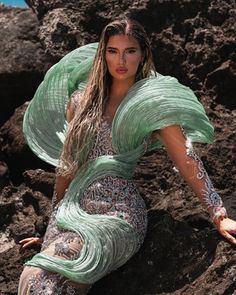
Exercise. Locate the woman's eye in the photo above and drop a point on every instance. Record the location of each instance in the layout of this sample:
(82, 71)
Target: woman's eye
(111, 51)
(131, 51)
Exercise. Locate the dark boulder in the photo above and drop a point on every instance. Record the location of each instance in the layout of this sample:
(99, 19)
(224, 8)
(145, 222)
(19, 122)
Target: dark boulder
(22, 59)
(191, 40)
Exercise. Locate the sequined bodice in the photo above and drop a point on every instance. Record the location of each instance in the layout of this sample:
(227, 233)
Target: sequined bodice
(103, 145)
(112, 195)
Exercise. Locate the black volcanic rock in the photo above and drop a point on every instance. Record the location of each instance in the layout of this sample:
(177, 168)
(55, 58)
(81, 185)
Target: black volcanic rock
(191, 40)
(223, 81)
(22, 58)
(15, 151)
(4, 175)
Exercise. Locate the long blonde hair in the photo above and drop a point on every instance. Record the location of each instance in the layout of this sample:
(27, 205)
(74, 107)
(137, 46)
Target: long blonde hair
(81, 132)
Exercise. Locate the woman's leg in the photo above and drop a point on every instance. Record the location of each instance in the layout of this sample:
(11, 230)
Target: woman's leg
(35, 280)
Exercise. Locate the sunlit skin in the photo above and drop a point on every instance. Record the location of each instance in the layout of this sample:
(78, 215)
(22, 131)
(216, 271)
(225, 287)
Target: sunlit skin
(124, 52)
(123, 56)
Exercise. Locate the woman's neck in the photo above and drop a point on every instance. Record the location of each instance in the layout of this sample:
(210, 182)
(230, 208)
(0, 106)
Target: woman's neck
(117, 93)
(119, 90)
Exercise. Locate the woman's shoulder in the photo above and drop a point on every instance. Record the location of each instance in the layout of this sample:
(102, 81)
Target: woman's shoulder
(75, 98)
(73, 103)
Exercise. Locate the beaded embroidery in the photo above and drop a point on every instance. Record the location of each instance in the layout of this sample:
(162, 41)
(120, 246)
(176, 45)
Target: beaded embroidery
(114, 196)
(46, 283)
(210, 198)
(109, 195)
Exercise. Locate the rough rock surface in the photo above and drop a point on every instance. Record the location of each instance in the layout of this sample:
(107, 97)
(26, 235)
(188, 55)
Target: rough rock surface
(192, 40)
(23, 61)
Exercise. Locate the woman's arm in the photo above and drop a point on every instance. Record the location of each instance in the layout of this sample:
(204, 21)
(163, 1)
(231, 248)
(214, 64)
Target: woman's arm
(62, 182)
(74, 102)
(60, 188)
(59, 191)
(192, 170)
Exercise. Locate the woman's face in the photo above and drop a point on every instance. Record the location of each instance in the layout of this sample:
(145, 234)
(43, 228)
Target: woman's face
(123, 56)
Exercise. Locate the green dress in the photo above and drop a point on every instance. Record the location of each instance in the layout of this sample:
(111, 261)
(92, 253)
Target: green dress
(151, 104)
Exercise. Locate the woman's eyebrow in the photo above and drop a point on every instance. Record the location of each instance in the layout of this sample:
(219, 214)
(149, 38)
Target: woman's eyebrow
(110, 47)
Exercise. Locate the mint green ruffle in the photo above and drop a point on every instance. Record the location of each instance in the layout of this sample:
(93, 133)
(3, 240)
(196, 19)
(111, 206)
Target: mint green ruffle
(150, 104)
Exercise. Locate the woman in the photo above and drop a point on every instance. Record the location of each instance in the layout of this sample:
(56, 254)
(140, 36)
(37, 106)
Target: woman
(121, 111)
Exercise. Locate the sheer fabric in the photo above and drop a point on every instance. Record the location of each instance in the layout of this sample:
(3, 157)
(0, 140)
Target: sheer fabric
(151, 104)
(190, 166)
(110, 196)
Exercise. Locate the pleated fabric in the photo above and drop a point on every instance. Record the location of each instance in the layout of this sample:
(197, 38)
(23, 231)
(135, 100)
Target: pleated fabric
(44, 122)
(151, 104)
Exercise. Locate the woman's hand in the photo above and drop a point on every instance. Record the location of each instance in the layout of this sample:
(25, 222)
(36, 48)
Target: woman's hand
(226, 228)
(31, 241)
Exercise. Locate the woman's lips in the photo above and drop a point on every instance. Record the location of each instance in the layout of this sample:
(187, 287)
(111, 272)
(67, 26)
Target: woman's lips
(122, 70)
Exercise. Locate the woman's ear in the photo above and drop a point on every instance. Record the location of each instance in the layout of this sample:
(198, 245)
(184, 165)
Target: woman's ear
(141, 62)
(142, 58)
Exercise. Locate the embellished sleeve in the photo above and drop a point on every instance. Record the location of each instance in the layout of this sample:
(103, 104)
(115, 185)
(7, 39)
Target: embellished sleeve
(74, 99)
(192, 169)
(73, 103)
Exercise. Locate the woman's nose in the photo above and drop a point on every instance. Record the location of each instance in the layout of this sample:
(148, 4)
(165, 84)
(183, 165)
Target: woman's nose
(122, 58)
